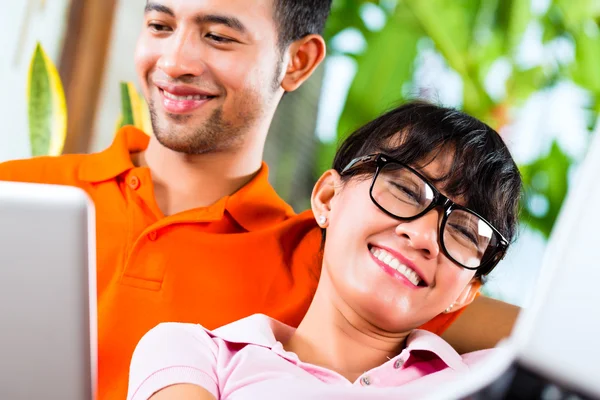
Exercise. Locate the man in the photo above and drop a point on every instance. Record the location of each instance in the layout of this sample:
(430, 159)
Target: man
(188, 227)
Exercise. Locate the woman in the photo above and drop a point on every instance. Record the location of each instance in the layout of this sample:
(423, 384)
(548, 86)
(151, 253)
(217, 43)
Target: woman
(420, 205)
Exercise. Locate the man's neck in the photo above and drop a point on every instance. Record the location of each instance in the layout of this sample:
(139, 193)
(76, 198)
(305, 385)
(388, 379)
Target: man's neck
(184, 182)
(333, 336)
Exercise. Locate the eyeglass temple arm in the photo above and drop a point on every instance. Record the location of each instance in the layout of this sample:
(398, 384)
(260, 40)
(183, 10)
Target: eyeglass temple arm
(359, 160)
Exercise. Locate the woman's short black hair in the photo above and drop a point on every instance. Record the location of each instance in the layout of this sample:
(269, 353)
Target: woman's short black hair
(482, 172)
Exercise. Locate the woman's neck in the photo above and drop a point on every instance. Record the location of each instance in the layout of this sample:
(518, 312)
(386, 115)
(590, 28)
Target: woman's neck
(333, 336)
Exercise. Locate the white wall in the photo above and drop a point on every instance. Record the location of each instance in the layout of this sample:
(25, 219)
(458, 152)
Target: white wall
(24, 23)
(119, 67)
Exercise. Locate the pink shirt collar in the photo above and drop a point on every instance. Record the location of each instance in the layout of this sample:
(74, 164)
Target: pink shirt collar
(261, 330)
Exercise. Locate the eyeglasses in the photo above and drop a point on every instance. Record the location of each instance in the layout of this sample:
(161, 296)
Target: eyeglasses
(466, 238)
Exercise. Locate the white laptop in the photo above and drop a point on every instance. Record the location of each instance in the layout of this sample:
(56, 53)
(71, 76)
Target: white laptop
(48, 331)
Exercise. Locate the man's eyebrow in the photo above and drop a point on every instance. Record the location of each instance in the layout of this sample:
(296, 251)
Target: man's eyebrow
(228, 21)
(150, 6)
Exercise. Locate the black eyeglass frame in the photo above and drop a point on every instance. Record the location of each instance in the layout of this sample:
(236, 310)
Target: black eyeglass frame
(439, 200)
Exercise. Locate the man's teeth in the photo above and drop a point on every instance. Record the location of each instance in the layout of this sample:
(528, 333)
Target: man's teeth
(393, 262)
(183, 98)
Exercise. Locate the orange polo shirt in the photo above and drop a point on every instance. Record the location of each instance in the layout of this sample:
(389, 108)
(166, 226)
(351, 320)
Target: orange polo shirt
(248, 253)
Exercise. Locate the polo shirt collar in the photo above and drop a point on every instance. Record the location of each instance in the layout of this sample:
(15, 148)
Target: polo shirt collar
(255, 206)
(116, 159)
(257, 329)
(421, 340)
(264, 331)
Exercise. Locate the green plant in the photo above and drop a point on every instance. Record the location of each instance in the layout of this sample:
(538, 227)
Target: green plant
(134, 109)
(47, 110)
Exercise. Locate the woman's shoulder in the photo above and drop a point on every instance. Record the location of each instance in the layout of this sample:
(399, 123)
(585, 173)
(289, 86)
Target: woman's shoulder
(172, 353)
(173, 337)
(256, 329)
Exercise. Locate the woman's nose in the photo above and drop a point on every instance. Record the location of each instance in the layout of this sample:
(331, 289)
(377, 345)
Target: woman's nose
(422, 233)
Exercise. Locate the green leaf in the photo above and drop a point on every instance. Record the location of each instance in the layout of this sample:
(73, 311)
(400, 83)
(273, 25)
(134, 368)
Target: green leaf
(545, 178)
(446, 23)
(484, 54)
(576, 12)
(134, 109)
(345, 14)
(127, 117)
(523, 83)
(450, 24)
(553, 24)
(325, 154)
(383, 70)
(519, 17)
(586, 72)
(581, 20)
(47, 110)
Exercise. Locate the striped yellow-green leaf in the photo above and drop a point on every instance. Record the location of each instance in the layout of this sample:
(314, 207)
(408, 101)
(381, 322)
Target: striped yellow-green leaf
(134, 109)
(47, 107)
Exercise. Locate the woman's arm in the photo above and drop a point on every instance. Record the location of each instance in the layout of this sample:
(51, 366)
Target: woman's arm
(183, 392)
(481, 325)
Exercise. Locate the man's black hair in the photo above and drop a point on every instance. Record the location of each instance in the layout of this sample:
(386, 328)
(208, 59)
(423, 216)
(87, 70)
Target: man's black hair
(296, 19)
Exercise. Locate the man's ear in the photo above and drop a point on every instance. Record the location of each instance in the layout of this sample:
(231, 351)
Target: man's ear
(467, 296)
(305, 55)
(322, 196)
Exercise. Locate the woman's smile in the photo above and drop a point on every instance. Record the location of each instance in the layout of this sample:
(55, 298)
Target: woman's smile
(391, 264)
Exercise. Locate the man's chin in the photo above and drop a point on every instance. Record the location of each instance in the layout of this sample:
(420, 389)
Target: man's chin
(185, 140)
(177, 145)
(176, 119)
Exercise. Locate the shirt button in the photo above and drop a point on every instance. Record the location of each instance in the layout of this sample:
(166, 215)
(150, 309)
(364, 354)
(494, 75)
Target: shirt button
(152, 236)
(399, 363)
(134, 182)
(365, 381)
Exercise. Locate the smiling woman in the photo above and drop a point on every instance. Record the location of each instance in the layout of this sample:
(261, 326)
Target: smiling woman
(421, 203)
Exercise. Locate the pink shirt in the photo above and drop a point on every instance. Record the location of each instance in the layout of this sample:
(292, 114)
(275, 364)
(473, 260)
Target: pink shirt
(246, 360)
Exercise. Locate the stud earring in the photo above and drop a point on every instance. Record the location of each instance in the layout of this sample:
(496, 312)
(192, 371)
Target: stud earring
(447, 310)
(322, 220)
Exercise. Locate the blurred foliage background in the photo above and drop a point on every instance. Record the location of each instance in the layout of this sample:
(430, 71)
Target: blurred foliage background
(484, 47)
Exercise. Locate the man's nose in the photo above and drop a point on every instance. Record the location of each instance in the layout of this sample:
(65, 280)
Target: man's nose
(182, 55)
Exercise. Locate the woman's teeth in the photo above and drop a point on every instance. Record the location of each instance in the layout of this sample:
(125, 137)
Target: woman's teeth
(183, 98)
(393, 262)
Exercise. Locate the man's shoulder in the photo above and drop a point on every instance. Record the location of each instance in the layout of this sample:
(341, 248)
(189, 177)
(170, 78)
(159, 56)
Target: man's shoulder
(61, 170)
(304, 220)
(300, 231)
(302, 244)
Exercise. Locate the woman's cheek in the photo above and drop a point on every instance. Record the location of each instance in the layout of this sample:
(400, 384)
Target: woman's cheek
(454, 279)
